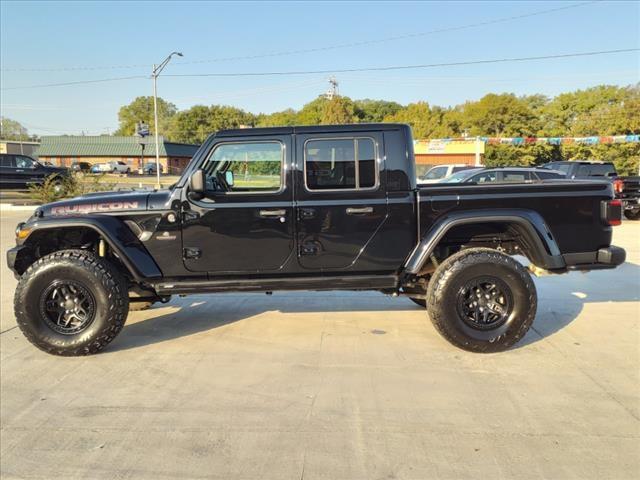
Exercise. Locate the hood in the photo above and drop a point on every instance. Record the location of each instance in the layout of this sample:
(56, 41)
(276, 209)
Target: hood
(102, 202)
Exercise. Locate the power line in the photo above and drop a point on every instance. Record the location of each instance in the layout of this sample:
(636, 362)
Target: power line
(79, 82)
(402, 67)
(389, 39)
(345, 70)
(317, 49)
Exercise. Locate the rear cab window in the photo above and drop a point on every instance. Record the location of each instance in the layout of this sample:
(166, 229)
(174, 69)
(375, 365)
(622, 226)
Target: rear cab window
(596, 170)
(340, 164)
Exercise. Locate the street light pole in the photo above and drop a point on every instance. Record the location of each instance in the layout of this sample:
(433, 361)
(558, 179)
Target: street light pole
(157, 69)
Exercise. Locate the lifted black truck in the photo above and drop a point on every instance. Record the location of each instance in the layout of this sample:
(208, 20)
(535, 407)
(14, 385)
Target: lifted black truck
(308, 208)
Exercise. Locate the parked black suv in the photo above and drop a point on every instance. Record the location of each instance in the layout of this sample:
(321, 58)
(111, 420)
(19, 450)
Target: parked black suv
(20, 171)
(308, 208)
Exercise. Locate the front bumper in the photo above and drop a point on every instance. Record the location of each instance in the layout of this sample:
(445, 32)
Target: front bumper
(15, 256)
(604, 258)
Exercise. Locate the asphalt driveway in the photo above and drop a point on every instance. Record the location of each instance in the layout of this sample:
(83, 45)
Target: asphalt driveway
(332, 386)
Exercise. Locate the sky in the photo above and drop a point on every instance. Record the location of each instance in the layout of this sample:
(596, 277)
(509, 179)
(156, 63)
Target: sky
(59, 42)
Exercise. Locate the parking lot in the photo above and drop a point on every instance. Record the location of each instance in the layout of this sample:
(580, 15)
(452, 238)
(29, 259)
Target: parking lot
(332, 386)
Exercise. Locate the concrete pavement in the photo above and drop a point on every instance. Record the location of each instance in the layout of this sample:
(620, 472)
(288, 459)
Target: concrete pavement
(332, 386)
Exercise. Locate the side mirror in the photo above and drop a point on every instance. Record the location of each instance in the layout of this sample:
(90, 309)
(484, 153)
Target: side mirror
(228, 177)
(197, 184)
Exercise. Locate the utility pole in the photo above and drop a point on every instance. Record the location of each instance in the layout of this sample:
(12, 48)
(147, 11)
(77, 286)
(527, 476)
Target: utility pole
(333, 89)
(157, 69)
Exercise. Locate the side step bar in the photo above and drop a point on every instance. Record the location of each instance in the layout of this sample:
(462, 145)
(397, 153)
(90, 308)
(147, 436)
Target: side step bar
(358, 282)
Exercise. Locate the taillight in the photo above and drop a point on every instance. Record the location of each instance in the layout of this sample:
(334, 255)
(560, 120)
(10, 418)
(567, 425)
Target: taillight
(611, 212)
(618, 186)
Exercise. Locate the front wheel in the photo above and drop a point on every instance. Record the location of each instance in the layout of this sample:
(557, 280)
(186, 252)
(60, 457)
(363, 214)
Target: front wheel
(482, 300)
(71, 303)
(632, 214)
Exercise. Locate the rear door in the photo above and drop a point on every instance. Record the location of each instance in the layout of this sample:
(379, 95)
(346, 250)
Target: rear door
(340, 200)
(7, 170)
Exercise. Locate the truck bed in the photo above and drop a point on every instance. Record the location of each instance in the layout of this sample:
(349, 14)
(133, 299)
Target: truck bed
(570, 209)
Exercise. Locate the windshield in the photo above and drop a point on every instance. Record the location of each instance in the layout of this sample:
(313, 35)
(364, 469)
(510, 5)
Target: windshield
(460, 176)
(435, 173)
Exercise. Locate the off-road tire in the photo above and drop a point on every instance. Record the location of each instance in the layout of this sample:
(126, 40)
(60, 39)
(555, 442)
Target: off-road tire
(100, 278)
(448, 284)
(632, 214)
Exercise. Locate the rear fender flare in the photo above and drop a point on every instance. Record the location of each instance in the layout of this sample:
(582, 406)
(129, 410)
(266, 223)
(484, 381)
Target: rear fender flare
(118, 236)
(544, 251)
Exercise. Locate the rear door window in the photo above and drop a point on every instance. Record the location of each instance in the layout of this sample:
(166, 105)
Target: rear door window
(340, 164)
(7, 161)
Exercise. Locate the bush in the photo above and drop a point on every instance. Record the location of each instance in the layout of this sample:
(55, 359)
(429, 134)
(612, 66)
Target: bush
(56, 187)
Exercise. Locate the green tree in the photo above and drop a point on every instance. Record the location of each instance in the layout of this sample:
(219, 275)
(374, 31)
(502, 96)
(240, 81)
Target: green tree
(587, 112)
(197, 123)
(338, 110)
(12, 130)
(499, 114)
(425, 122)
(284, 118)
(375, 111)
(311, 113)
(141, 110)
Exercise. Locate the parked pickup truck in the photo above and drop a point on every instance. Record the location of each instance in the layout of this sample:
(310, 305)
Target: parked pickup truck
(627, 189)
(308, 208)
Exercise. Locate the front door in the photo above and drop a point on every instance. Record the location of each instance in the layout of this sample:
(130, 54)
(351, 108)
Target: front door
(244, 224)
(341, 200)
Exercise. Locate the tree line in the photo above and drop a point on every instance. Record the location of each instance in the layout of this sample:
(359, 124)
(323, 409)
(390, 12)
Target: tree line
(600, 110)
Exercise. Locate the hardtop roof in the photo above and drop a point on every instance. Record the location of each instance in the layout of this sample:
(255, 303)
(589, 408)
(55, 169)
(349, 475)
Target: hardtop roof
(355, 127)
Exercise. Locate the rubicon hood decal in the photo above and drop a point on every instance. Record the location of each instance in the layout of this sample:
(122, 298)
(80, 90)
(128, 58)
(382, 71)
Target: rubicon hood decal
(106, 202)
(94, 207)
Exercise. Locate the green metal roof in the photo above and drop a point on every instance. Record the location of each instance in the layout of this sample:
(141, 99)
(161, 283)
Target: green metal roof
(109, 146)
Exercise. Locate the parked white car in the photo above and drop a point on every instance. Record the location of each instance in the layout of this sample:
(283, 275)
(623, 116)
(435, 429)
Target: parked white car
(111, 167)
(437, 173)
(119, 167)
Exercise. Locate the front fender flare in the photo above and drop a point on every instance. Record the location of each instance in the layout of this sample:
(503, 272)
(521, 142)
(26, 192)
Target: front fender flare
(544, 251)
(118, 236)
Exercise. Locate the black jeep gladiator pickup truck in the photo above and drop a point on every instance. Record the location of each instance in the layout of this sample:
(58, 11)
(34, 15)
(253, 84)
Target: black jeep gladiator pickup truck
(308, 208)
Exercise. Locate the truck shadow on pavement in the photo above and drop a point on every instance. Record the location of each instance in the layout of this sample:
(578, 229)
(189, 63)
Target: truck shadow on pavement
(561, 299)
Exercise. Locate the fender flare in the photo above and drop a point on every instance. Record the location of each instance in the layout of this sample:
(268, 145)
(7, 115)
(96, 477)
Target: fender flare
(544, 250)
(118, 236)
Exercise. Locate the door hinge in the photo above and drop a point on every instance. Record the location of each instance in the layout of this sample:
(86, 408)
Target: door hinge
(190, 253)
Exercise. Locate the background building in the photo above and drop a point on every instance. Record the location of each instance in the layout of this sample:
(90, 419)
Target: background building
(445, 152)
(18, 147)
(64, 150)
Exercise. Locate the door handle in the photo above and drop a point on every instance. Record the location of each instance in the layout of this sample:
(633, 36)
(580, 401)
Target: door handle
(359, 211)
(272, 213)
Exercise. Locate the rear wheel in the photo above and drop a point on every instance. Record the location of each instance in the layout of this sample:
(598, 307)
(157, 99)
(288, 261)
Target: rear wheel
(632, 214)
(482, 300)
(71, 303)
